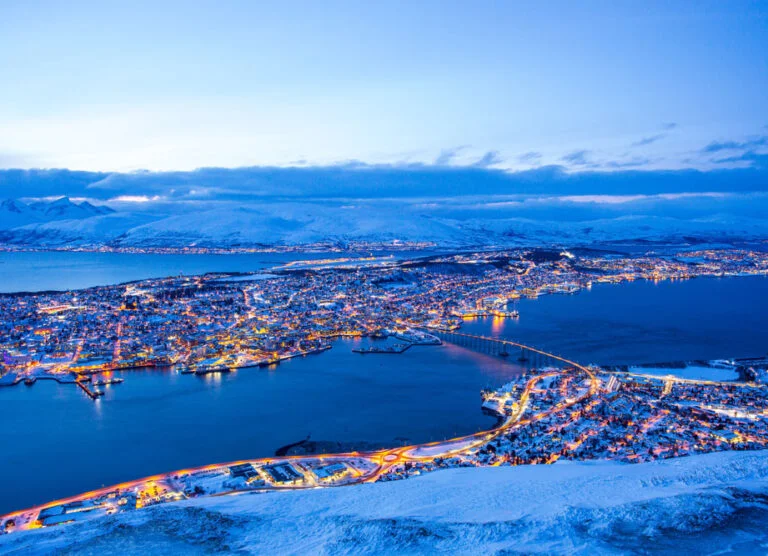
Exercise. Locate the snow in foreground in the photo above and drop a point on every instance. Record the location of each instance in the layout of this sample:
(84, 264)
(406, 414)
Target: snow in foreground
(690, 372)
(705, 504)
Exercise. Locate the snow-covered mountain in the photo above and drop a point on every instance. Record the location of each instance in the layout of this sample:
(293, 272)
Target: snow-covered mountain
(15, 213)
(704, 504)
(64, 209)
(443, 223)
(447, 206)
(294, 224)
(91, 231)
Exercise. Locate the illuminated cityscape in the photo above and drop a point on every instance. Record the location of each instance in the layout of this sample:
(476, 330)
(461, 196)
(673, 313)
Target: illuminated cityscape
(217, 323)
(558, 410)
(374, 278)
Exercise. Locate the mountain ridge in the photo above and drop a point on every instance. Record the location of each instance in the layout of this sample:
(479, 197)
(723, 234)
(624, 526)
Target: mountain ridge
(62, 223)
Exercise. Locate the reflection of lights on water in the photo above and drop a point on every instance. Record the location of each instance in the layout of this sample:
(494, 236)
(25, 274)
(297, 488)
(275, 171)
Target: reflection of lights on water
(497, 324)
(213, 378)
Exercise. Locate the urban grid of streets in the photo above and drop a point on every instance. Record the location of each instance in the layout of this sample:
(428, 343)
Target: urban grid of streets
(562, 410)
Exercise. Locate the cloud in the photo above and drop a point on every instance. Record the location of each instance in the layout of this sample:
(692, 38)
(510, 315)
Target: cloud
(636, 162)
(266, 184)
(669, 126)
(530, 157)
(649, 140)
(488, 159)
(584, 207)
(584, 160)
(135, 199)
(447, 156)
(749, 144)
(14, 159)
(757, 160)
(578, 158)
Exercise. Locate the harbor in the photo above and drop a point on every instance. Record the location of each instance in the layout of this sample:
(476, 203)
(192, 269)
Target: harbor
(427, 393)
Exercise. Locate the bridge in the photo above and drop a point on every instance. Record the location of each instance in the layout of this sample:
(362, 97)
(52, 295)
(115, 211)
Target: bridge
(522, 353)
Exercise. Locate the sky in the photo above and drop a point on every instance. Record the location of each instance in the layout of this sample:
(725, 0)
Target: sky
(583, 86)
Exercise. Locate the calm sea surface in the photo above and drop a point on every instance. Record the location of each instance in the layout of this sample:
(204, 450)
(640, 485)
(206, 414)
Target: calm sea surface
(56, 442)
(60, 270)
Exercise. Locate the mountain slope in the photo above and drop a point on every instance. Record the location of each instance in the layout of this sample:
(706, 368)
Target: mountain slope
(63, 223)
(93, 230)
(14, 213)
(706, 503)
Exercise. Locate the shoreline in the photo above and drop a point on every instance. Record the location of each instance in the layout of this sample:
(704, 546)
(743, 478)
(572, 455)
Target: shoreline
(293, 355)
(162, 368)
(465, 442)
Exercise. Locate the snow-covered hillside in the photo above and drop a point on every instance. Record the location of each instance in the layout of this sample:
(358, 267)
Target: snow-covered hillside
(443, 223)
(15, 213)
(701, 504)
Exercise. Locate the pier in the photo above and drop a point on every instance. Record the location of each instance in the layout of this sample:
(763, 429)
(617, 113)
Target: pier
(93, 394)
(393, 349)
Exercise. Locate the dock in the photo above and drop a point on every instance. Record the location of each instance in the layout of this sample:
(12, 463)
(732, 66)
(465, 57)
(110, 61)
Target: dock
(396, 348)
(93, 394)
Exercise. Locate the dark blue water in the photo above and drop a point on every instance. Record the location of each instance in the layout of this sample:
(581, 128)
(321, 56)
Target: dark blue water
(59, 270)
(57, 442)
(645, 322)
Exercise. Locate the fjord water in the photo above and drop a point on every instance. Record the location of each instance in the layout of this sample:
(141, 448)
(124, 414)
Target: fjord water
(34, 271)
(644, 322)
(57, 442)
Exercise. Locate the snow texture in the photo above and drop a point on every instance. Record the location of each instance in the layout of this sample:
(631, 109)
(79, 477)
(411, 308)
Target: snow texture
(63, 223)
(702, 504)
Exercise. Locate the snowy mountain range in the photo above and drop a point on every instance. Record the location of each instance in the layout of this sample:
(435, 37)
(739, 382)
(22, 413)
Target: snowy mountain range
(356, 202)
(706, 504)
(15, 213)
(445, 223)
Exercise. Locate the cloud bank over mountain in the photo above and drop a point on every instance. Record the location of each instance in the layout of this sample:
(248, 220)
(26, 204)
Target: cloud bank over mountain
(360, 180)
(356, 202)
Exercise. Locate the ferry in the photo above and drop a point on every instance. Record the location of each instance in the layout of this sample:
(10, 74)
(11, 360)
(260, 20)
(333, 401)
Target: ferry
(106, 381)
(207, 369)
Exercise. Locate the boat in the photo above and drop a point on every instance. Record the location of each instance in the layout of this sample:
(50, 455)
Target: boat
(106, 381)
(212, 369)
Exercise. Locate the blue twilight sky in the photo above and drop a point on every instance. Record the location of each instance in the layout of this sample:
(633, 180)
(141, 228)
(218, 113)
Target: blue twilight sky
(507, 85)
